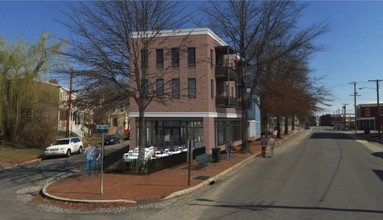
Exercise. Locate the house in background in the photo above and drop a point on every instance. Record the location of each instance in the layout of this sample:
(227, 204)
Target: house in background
(204, 89)
(119, 121)
(76, 115)
(368, 116)
(254, 116)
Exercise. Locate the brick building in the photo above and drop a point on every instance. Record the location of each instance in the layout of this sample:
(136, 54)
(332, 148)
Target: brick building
(367, 115)
(200, 77)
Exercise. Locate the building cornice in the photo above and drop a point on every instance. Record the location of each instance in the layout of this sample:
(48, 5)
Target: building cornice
(180, 32)
(186, 115)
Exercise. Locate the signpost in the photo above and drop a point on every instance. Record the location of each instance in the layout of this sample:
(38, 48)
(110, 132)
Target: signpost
(102, 129)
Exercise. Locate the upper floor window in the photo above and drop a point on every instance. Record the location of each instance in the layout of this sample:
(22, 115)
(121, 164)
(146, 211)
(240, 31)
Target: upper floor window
(367, 111)
(175, 57)
(212, 88)
(191, 57)
(175, 88)
(380, 111)
(192, 88)
(160, 58)
(144, 58)
(211, 58)
(160, 87)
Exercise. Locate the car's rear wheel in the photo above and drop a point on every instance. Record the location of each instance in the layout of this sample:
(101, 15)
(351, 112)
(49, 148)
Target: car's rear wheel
(68, 153)
(80, 150)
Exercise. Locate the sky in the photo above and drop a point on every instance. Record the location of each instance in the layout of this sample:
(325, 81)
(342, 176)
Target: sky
(352, 49)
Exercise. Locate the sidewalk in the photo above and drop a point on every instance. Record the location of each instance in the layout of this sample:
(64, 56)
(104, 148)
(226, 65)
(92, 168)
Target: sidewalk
(167, 183)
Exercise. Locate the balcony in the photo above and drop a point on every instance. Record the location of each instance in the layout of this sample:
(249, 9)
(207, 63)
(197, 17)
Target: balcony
(225, 73)
(226, 102)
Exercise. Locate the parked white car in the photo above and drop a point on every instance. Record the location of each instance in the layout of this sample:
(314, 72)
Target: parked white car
(64, 146)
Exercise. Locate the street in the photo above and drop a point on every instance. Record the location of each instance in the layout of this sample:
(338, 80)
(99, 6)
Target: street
(19, 185)
(319, 174)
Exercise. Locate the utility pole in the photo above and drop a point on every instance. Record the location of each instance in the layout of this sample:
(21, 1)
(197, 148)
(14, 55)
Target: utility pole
(355, 95)
(377, 104)
(344, 114)
(69, 103)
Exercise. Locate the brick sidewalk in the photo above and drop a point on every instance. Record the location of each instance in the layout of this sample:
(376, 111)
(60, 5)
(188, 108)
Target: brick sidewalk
(140, 188)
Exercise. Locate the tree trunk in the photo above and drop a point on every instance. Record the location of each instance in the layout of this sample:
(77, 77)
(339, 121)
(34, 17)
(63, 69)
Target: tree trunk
(293, 122)
(286, 125)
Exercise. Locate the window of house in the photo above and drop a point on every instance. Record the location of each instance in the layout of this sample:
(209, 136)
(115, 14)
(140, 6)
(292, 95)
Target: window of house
(160, 58)
(115, 122)
(211, 58)
(175, 88)
(192, 88)
(144, 58)
(191, 57)
(380, 111)
(175, 57)
(212, 88)
(160, 87)
(145, 87)
(367, 111)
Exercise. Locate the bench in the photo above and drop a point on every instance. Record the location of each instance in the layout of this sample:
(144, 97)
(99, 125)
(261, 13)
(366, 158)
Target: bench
(203, 160)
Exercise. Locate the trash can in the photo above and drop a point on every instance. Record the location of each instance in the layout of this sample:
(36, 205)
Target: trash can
(216, 154)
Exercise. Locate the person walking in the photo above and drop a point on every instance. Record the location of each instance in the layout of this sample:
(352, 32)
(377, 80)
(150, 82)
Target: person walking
(272, 145)
(263, 145)
(228, 149)
(275, 133)
(89, 152)
(96, 161)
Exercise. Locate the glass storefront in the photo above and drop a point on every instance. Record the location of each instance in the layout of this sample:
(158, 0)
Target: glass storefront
(228, 129)
(173, 133)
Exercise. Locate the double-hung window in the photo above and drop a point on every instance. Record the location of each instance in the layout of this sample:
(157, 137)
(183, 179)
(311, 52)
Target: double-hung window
(191, 57)
(175, 57)
(192, 88)
(144, 58)
(160, 87)
(160, 58)
(175, 88)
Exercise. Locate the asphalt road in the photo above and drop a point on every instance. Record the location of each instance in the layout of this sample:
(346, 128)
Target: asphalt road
(19, 185)
(318, 174)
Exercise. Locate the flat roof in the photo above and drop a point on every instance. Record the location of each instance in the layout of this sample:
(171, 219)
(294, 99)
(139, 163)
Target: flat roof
(181, 32)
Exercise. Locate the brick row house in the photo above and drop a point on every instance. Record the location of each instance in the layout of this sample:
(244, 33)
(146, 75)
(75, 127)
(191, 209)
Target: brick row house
(367, 116)
(198, 72)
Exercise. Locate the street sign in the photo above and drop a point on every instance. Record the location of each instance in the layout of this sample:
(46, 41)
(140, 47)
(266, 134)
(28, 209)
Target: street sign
(102, 128)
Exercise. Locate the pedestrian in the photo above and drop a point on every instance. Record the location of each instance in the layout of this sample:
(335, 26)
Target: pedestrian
(275, 133)
(228, 149)
(263, 145)
(272, 145)
(89, 152)
(96, 161)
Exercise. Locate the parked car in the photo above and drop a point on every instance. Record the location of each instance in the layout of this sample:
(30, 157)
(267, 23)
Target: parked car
(112, 139)
(64, 146)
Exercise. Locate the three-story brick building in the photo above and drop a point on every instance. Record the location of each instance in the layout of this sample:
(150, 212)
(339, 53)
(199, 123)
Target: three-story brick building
(196, 70)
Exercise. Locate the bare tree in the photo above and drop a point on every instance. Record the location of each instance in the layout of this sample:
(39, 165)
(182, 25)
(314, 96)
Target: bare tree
(111, 43)
(255, 29)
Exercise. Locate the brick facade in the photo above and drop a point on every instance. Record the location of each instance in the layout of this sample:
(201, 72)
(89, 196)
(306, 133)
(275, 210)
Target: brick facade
(187, 112)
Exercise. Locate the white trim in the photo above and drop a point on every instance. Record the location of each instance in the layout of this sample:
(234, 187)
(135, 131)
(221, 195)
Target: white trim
(186, 115)
(365, 118)
(180, 32)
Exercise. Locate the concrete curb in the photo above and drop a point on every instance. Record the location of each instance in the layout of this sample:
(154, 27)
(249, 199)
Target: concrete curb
(48, 195)
(6, 167)
(213, 179)
(207, 182)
